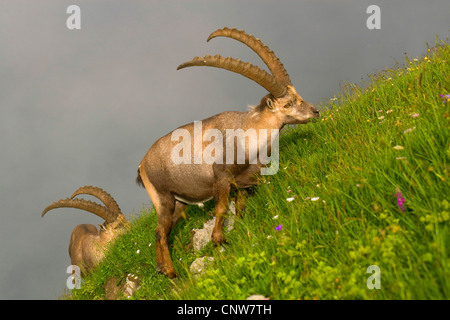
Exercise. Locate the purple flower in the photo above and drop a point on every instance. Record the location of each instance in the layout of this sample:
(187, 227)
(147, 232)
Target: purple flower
(445, 97)
(400, 200)
(279, 227)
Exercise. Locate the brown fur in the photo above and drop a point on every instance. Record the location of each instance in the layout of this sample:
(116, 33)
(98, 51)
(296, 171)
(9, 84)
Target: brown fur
(171, 187)
(87, 244)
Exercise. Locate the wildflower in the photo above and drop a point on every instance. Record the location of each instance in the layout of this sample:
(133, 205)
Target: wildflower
(415, 115)
(445, 97)
(381, 118)
(290, 199)
(358, 185)
(398, 147)
(150, 244)
(401, 158)
(400, 199)
(275, 217)
(315, 199)
(380, 110)
(279, 227)
(138, 251)
(389, 111)
(409, 130)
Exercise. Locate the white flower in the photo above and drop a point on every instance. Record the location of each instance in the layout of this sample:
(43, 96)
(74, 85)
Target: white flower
(138, 251)
(398, 147)
(409, 130)
(290, 199)
(150, 244)
(315, 199)
(275, 217)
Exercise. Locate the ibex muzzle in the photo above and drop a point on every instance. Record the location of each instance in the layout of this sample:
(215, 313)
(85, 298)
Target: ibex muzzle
(172, 186)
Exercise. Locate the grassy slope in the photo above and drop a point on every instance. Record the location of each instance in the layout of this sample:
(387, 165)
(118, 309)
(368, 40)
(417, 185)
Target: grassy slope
(348, 161)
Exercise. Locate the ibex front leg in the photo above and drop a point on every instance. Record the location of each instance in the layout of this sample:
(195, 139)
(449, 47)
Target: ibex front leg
(221, 194)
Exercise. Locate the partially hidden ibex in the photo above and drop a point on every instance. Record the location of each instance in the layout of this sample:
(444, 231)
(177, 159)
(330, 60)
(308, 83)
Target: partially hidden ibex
(171, 186)
(87, 244)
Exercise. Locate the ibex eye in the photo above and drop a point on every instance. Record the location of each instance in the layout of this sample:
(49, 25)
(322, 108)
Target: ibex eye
(288, 105)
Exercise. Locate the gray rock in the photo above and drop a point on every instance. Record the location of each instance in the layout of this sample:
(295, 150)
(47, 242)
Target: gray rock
(200, 264)
(203, 236)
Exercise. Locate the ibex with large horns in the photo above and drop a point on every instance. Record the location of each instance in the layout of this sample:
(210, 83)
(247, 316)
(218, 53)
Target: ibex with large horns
(172, 186)
(87, 244)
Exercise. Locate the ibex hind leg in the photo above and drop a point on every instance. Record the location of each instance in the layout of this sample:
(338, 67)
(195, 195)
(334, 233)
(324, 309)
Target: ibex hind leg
(179, 212)
(165, 224)
(165, 207)
(241, 198)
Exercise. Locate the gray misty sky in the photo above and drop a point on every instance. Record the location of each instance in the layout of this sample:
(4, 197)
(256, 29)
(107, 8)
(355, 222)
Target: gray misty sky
(82, 107)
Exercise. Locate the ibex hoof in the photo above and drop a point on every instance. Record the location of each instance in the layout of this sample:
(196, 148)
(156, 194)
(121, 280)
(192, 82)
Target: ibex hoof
(218, 238)
(170, 272)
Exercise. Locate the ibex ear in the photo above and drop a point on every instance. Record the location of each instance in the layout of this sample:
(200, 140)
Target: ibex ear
(269, 103)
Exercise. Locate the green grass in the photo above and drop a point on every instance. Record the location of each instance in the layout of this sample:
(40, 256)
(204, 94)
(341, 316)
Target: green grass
(350, 162)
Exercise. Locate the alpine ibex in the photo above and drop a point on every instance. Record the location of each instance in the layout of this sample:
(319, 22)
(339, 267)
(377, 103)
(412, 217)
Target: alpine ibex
(171, 186)
(87, 244)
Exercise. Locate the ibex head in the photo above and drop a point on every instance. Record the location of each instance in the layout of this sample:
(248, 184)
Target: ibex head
(283, 101)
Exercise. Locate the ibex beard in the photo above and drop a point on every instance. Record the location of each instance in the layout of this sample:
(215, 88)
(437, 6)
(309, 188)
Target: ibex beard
(228, 151)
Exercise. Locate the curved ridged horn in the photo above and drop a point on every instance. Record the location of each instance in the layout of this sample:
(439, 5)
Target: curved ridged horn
(82, 204)
(268, 56)
(102, 195)
(261, 77)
